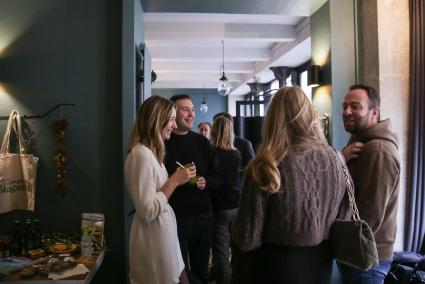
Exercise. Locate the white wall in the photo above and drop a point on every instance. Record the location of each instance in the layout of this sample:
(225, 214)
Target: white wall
(231, 103)
(393, 34)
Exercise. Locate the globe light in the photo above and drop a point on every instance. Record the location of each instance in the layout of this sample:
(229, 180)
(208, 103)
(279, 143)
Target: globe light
(204, 107)
(223, 85)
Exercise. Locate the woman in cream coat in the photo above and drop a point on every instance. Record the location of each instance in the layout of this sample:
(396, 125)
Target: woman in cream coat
(155, 255)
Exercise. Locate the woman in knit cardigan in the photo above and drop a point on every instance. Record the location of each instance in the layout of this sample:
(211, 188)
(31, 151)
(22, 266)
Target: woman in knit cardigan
(293, 192)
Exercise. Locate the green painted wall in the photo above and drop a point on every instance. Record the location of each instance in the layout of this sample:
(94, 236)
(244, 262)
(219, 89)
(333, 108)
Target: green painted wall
(54, 51)
(321, 55)
(343, 46)
(333, 45)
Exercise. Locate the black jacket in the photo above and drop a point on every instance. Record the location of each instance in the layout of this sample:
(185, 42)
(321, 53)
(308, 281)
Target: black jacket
(227, 195)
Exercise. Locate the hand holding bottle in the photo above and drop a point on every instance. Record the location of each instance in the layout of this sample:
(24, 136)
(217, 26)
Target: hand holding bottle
(184, 173)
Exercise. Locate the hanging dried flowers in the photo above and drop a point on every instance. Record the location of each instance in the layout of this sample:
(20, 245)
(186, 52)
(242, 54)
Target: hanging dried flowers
(60, 155)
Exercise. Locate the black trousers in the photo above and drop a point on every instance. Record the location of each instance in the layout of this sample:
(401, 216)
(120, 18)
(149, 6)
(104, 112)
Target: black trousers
(276, 264)
(195, 237)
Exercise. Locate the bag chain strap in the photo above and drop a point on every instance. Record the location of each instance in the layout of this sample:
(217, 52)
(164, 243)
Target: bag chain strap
(350, 192)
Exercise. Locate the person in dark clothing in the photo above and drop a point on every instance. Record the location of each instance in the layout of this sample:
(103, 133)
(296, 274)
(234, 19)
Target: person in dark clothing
(226, 197)
(191, 202)
(247, 154)
(245, 148)
(243, 145)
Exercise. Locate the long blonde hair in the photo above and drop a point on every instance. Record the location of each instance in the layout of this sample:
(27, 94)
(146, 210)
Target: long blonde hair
(222, 133)
(290, 120)
(152, 117)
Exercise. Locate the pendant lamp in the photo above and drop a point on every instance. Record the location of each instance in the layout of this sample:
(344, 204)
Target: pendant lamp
(223, 85)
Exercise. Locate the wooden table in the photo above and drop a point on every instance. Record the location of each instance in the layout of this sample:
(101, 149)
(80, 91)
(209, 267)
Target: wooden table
(92, 264)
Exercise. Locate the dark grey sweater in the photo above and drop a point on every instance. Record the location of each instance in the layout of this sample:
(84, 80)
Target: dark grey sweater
(302, 211)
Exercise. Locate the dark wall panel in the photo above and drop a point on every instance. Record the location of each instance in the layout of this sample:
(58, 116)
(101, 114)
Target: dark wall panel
(59, 51)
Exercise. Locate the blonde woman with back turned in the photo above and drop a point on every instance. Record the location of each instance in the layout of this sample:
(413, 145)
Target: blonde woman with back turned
(292, 194)
(225, 199)
(155, 255)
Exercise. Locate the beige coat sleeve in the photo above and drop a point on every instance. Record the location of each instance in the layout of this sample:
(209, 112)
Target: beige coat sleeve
(140, 179)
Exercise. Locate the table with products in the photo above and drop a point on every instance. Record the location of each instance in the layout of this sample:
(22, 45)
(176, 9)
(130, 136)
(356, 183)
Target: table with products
(29, 255)
(50, 258)
(90, 265)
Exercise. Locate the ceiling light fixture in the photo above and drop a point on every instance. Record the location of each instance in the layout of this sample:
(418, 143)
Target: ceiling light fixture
(223, 87)
(204, 107)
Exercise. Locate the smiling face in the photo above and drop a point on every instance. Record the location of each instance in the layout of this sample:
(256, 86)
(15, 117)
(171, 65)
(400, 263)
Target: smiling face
(357, 115)
(171, 125)
(185, 115)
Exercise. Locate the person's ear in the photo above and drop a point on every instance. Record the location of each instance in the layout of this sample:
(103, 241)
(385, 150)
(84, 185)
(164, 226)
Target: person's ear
(375, 112)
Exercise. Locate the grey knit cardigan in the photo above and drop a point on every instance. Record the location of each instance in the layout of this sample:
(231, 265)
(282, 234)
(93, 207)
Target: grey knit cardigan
(311, 196)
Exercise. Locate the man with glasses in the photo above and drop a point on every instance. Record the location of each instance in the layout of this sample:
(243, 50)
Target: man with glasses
(373, 160)
(191, 202)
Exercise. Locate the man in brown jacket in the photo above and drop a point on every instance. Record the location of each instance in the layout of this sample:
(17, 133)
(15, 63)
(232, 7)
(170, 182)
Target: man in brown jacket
(373, 160)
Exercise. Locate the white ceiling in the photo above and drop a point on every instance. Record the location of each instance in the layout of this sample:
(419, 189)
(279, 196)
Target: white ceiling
(186, 47)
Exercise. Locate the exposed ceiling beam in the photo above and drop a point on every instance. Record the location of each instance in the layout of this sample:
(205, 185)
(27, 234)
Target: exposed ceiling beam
(197, 18)
(205, 67)
(279, 51)
(206, 42)
(186, 48)
(201, 77)
(273, 7)
(186, 85)
(209, 54)
(260, 32)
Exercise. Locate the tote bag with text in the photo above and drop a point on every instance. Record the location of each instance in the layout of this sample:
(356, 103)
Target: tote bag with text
(17, 171)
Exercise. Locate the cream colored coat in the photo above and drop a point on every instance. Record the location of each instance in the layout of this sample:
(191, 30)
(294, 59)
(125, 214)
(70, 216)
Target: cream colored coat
(155, 255)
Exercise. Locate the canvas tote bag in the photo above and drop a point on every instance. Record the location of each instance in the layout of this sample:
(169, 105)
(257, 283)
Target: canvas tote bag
(17, 171)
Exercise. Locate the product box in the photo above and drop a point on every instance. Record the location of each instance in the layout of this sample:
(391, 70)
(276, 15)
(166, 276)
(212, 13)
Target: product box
(93, 224)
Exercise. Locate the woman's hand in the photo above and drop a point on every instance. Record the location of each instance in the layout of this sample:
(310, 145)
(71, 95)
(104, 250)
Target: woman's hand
(182, 175)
